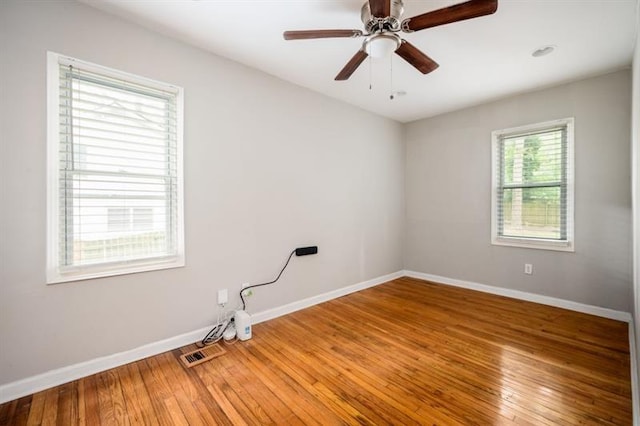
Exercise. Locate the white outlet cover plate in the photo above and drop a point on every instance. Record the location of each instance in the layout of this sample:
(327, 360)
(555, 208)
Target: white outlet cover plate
(223, 297)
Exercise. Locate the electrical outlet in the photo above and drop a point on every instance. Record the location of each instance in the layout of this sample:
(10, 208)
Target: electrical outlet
(528, 268)
(247, 293)
(223, 297)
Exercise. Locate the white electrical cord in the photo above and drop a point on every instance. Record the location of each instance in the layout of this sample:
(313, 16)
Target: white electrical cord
(224, 320)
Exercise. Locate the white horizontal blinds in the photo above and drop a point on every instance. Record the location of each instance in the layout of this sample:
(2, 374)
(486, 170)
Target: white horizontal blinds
(118, 170)
(532, 193)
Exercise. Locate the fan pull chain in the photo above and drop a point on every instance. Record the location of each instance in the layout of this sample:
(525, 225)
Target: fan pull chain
(391, 77)
(370, 74)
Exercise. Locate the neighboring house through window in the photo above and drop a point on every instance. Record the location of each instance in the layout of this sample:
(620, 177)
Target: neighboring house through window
(115, 172)
(129, 219)
(532, 194)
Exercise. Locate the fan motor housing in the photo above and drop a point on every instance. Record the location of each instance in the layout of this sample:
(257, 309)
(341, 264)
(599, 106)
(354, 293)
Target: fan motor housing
(389, 23)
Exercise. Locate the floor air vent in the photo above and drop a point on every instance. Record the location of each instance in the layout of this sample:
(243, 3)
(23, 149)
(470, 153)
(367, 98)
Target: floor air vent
(202, 355)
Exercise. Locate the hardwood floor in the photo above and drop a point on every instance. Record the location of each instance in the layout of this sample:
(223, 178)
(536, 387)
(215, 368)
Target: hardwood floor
(405, 352)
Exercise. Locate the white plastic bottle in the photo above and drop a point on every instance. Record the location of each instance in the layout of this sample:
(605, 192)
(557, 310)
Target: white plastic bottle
(243, 325)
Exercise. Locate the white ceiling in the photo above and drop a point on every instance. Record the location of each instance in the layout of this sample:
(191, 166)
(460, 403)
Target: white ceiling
(480, 59)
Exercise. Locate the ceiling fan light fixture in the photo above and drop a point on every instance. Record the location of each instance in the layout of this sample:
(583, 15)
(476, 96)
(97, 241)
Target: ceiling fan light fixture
(381, 45)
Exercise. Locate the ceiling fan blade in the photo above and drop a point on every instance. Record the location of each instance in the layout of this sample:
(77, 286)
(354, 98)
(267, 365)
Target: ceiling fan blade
(380, 8)
(459, 12)
(352, 65)
(416, 57)
(309, 34)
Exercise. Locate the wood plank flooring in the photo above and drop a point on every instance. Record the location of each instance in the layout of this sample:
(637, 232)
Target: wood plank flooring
(405, 352)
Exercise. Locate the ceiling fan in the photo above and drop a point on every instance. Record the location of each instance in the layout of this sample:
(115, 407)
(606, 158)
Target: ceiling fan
(381, 19)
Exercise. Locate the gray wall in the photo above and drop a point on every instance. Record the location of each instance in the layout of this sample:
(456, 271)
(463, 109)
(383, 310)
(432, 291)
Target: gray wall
(635, 169)
(448, 195)
(268, 166)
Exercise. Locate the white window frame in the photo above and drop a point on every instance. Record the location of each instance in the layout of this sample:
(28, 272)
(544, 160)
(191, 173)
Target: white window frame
(567, 245)
(54, 274)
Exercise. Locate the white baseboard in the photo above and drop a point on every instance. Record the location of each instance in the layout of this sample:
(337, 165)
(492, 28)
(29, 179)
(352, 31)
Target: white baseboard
(59, 376)
(523, 295)
(29, 385)
(334, 294)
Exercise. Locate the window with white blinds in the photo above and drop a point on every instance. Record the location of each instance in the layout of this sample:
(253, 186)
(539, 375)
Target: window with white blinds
(115, 172)
(532, 196)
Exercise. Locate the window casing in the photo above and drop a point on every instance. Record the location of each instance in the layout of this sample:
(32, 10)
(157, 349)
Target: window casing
(115, 191)
(533, 186)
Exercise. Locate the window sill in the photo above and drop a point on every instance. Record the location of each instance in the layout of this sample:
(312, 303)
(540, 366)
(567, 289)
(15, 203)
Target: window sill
(88, 272)
(539, 244)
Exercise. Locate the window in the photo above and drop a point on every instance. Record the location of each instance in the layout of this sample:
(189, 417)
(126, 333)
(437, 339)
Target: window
(115, 172)
(532, 195)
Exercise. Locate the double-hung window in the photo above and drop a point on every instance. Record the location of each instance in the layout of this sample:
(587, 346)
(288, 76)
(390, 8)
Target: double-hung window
(114, 172)
(532, 190)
